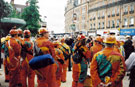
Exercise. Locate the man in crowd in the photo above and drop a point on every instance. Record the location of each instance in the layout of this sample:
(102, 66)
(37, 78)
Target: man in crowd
(47, 76)
(107, 67)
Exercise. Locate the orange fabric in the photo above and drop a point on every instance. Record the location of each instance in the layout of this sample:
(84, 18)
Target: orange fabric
(80, 85)
(115, 67)
(26, 71)
(13, 65)
(59, 55)
(64, 70)
(49, 72)
(94, 49)
(6, 71)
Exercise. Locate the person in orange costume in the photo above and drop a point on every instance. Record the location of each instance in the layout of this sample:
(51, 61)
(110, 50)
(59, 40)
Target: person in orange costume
(20, 32)
(65, 49)
(80, 69)
(97, 46)
(6, 71)
(107, 67)
(47, 76)
(60, 60)
(13, 59)
(27, 55)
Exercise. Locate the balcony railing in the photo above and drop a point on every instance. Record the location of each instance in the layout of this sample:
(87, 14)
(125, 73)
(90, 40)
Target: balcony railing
(103, 17)
(117, 14)
(125, 13)
(131, 12)
(131, 25)
(113, 15)
(124, 25)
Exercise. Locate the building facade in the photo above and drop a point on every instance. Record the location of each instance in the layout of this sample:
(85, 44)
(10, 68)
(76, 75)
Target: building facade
(107, 16)
(76, 16)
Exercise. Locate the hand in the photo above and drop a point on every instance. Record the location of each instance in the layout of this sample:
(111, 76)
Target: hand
(108, 84)
(101, 85)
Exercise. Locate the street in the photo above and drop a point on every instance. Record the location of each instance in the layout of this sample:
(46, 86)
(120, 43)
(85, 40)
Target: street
(67, 84)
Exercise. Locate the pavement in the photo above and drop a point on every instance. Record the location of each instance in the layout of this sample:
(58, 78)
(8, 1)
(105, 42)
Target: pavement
(67, 84)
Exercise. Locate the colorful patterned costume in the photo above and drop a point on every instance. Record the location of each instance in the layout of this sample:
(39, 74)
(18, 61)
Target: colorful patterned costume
(13, 51)
(26, 71)
(65, 49)
(59, 58)
(94, 49)
(107, 64)
(47, 76)
(80, 69)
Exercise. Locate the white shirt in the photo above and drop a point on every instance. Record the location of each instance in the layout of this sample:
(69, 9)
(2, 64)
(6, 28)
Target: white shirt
(130, 62)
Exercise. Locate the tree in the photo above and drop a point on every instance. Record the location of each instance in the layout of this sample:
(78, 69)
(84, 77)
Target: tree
(5, 9)
(31, 16)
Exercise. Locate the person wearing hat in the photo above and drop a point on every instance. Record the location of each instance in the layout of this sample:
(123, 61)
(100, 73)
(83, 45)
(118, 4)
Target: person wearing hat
(27, 55)
(107, 68)
(12, 54)
(6, 71)
(96, 47)
(66, 52)
(47, 77)
(60, 60)
(80, 64)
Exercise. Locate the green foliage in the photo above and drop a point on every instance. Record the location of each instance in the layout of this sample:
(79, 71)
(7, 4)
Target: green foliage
(14, 14)
(5, 9)
(31, 16)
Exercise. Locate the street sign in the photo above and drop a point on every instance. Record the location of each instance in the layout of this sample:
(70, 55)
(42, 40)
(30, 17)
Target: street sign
(127, 31)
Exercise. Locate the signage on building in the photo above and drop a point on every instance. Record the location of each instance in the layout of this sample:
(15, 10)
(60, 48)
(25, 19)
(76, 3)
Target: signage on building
(127, 31)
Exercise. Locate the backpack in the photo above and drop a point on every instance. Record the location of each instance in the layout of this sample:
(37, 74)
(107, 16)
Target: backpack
(77, 58)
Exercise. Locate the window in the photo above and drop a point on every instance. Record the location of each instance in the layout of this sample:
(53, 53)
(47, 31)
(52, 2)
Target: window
(113, 23)
(83, 9)
(108, 13)
(118, 10)
(79, 1)
(98, 25)
(83, 17)
(94, 25)
(103, 25)
(131, 7)
(109, 24)
(118, 22)
(125, 8)
(75, 2)
(113, 11)
(132, 21)
(103, 15)
(90, 26)
(83, 1)
(98, 14)
(125, 21)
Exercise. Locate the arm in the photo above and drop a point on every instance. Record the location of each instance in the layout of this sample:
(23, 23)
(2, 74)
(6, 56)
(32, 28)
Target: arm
(119, 75)
(94, 72)
(130, 62)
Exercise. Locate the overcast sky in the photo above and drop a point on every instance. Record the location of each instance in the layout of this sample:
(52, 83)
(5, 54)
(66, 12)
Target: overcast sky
(54, 10)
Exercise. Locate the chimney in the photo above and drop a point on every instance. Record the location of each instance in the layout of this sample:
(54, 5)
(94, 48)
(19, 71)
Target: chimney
(12, 2)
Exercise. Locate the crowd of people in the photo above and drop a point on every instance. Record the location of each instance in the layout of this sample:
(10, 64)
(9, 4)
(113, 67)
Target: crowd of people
(107, 58)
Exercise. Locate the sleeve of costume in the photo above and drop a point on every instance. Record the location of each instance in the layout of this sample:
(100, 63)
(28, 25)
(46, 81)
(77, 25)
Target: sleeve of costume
(94, 72)
(119, 75)
(52, 51)
(17, 49)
